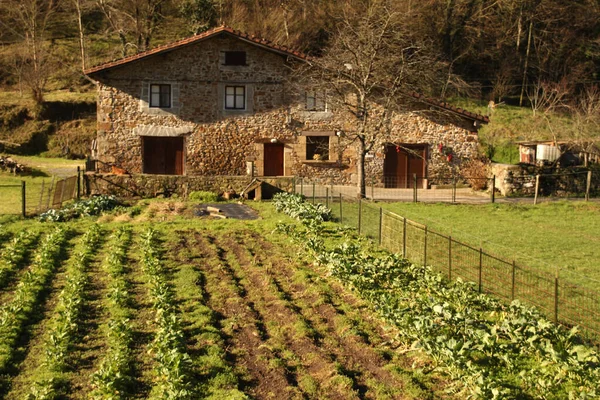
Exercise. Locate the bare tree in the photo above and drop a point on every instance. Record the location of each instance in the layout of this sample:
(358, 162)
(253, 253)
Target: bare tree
(30, 19)
(586, 122)
(371, 61)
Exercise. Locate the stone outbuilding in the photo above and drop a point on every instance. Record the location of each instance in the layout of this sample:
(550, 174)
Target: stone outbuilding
(220, 104)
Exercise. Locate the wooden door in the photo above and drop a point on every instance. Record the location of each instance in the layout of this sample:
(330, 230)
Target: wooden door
(273, 159)
(163, 155)
(400, 163)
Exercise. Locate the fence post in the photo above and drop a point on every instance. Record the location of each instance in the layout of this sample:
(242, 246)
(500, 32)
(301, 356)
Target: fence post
(512, 290)
(454, 189)
(449, 258)
(537, 189)
(425, 247)
(23, 199)
(480, 269)
(493, 189)
(313, 192)
(341, 209)
(327, 197)
(78, 182)
(414, 188)
(373, 189)
(556, 297)
(380, 225)
(404, 238)
(588, 186)
(359, 215)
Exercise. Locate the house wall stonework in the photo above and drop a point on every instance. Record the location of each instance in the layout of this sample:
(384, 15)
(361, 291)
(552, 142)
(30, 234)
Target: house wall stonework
(221, 142)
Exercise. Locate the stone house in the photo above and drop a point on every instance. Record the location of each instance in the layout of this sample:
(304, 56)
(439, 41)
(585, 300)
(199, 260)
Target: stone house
(217, 102)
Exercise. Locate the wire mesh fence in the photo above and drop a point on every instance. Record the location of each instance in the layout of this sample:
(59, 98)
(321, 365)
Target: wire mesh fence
(35, 197)
(554, 294)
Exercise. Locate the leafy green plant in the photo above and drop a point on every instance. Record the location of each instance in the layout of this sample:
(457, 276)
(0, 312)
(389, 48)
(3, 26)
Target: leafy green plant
(82, 208)
(488, 349)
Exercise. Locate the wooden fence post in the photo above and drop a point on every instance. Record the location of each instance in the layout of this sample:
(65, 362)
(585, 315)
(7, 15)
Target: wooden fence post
(404, 238)
(425, 247)
(78, 182)
(327, 197)
(512, 291)
(537, 189)
(314, 184)
(414, 188)
(588, 186)
(23, 199)
(359, 215)
(454, 189)
(556, 297)
(480, 269)
(380, 225)
(449, 258)
(493, 189)
(341, 209)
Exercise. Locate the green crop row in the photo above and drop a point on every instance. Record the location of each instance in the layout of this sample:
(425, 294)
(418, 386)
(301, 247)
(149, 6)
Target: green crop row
(66, 319)
(15, 314)
(13, 254)
(112, 379)
(172, 370)
(488, 349)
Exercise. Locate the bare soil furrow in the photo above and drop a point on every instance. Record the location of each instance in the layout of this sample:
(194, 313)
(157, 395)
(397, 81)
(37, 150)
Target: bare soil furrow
(243, 326)
(295, 332)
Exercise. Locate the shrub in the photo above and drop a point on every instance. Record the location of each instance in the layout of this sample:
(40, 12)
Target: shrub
(93, 206)
(476, 173)
(203, 196)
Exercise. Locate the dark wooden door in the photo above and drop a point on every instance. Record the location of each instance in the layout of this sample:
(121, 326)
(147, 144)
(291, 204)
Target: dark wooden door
(273, 159)
(163, 155)
(401, 163)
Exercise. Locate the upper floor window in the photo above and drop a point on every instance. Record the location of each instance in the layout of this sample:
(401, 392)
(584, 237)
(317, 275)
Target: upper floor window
(235, 97)
(235, 58)
(317, 148)
(315, 101)
(160, 95)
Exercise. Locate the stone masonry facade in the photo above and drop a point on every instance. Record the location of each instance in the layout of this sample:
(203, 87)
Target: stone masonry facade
(220, 141)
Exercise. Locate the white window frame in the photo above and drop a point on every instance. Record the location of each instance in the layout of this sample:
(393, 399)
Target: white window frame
(236, 97)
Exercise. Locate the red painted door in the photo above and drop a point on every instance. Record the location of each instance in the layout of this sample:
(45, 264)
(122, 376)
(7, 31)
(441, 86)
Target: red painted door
(401, 163)
(273, 159)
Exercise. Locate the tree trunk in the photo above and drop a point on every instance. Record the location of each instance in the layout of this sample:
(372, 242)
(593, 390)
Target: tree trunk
(360, 167)
(81, 33)
(526, 64)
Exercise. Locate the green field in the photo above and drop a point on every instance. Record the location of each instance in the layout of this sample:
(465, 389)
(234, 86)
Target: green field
(549, 236)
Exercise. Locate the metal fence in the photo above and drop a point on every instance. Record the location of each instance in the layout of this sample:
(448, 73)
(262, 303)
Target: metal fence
(554, 294)
(32, 198)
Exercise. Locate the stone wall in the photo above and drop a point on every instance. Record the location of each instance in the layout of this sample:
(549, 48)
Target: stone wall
(150, 186)
(220, 142)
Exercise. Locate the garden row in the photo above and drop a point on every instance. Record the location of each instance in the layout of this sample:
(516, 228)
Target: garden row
(488, 349)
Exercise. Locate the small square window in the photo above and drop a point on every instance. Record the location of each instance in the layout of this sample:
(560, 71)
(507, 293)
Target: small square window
(235, 97)
(317, 148)
(160, 96)
(235, 58)
(315, 101)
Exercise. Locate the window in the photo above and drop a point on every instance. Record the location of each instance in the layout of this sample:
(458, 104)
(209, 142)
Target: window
(315, 101)
(235, 97)
(317, 148)
(235, 58)
(160, 96)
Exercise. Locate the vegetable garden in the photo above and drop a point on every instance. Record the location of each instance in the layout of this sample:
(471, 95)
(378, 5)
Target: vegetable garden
(172, 308)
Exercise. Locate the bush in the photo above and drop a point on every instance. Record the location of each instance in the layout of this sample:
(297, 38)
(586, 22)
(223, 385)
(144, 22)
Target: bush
(476, 173)
(203, 196)
(93, 206)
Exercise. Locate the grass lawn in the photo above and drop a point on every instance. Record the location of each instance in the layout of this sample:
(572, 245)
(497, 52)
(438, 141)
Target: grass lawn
(563, 235)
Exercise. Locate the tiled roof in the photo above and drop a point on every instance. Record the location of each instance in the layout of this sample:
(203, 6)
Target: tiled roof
(265, 44)
(193, 39)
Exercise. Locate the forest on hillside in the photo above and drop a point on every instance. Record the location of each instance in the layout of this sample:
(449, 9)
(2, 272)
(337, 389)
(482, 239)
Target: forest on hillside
(543, 55)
